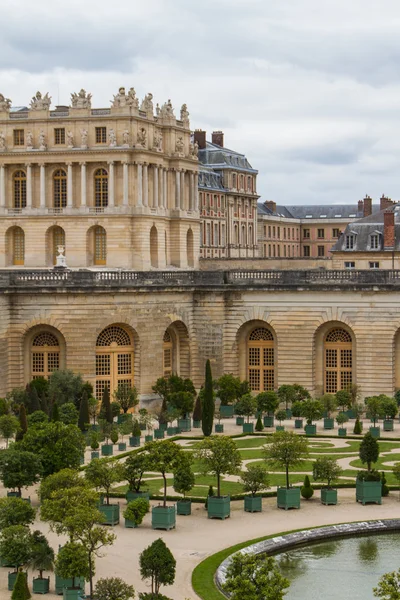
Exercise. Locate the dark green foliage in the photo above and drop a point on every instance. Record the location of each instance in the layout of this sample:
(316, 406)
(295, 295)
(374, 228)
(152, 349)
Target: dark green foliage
(163, 456)
(68, 414)
(114, 435)
(374, 406)
(113, 588)
(197, 412)
(105, 410)
(259, 424)
(55, 413)
(84, 418)
(341, 419)
(37, 419)
(255, 479)
(163, 416)
(8, 426)
(126, 396)
(134, 468)
(147, 596)
(72, 562)
(267, 402)
(16, 545)
(357, 427)
(19, 469)
(136, 510)
(41, 384)
(21, 590)
(42, 558)
(165, 386)
(286, 450)
(210, 493)
(372, 475)
(311, 410)
(66, 386)
(218, 456)
(246, 406)
(62, 480)
(307, 490)
(292, 393)
(343, 399)
(389, 407)
(115, 409)
(385, 489)
(280, 415)
(44, 405)
(184, 478)
(4, 407)
(136, 431)
(254, 577)
(15, 511)
(296, 409)
(208, 403)
(157, 564)
(33, 398)
(23, 423)
(397, 397)
(103, 474)
(228, 389)
(183, 402)
(369, 450)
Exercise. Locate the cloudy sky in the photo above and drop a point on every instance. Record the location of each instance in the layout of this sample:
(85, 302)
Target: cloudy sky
(309, 90)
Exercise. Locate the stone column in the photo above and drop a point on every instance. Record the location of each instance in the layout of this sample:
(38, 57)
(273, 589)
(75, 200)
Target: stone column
(2, 186)
(177, 189)
(69, 185)
(196, 192)
(139, 185)
(145, 185)
(155, 186)
(183, 207)
(111, 183)
(28, 185)
(125, 197)
(165, 200)
(191, 192)
(83, 184)
(42, 186)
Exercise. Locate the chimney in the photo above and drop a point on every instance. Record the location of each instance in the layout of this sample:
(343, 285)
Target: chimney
(388, 229)
(200, 138)
(367, 206)
(360, 207)
(271, 205)
(217, 138)
(385, 202)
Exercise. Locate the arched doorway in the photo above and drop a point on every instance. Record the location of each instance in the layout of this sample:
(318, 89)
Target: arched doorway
(338, 360)
(114, 359)
(261, 360)
(154, 247)
(176, 350)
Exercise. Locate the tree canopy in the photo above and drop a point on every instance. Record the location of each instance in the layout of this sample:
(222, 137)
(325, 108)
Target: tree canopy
(218, 456)
(287, 450)
(19, 469)
(157, 564)
(254, 577)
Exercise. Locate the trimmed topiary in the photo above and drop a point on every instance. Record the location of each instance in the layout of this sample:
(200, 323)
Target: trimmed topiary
(357, 427)
(21, 590)
(307, 490)
(259, 424)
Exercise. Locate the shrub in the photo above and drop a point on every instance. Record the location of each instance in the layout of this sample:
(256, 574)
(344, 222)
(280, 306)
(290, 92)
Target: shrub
(307, 490)
(341, 419)
(296, 409)
(113, 588)
(368, 475)
(136, 510)
(94, 440)
(357, 427)
(369, 450)
(136, 431)
(21, 590)
(210, 493)
(255, 479)
(157, 564)
(208, 406)
(259, 424)
(385, 489)
(114, 435)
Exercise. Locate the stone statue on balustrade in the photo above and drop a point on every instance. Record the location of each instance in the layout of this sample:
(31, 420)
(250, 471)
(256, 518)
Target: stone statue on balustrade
(123, 99)
(29, 140)
(112, 138)
(40, 102)
(60, 258)
(70, 139)
(185, 115)
(147, 105)
(167, 113)
(180, 146)
(2, 141)
(157, 140)
(81, 100)
(141, 138)
(42, 140)
(84, 135)
(126, 138)
(5, 104)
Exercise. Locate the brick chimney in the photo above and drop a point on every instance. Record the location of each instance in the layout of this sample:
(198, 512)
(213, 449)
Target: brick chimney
(217, 138)
(200, 138)
(367, 206)
(385, 202)
(271, 205)
(361, 206)
(388, 230)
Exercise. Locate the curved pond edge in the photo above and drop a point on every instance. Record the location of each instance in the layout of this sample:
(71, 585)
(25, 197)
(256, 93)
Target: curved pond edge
(282, 543)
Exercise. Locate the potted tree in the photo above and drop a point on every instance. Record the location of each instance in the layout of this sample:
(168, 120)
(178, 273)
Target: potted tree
(183, 482)
(197, 412)
(368, 483)
(134, 468)
(172, 416)
(135, 512)
(127, 398)
(19, 469)
(389, 410)
(150, 427)
(374, 411)
(280, 416)
(311, 410)
(327, 469)
(72, 566)
(15, 549)
(114, 435)
(183, 402)
(255, 479)
(343, 400)
(142, 417)
(218, 427)
(228, 390)
(93, 409)
(267, 402)
(296, 412)
(341, 419)
(329, 403)
(42, 559)
(124, 429)
(102, 474)
(106, 428)
(9, 425)
(246, 407)
(134, 439)
(287, 450)
(218, 456)
(94, 444)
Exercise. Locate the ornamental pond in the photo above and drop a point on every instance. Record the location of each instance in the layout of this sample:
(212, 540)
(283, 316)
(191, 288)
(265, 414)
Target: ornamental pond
(341, 568)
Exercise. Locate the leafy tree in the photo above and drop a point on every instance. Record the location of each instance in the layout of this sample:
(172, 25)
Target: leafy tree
(23, 423)
(311, 410)
(374, 407)
(72, 562)
(287, 450)
(388, 587)
(84, 417)
(42, 558)
(255, 479)
(94, 440)
(136, 431)
(163, 457)
(68, 414)
(389, 407)
(105, 410)
(57, 445)
(343, 399)
(125, 428)
(114, 434)
(16, 545)
(369, 450)
(62, 480)
(287, 394)
(8, 426)
(267, 402)
(16, 397)
(19, 469)
(357, 427)
(197, 412)
(113, 588)
(307, 490)
(341, 418)
(115, 409)
(37, 418)
(208, 402)
(259, 424)
(126, 396)
(93, 407)
(134, 468)
(165, 386)
(102, 474)
(136, 510)
(66, 386)
(280, 415)
(254, 577)
(218, 456)
(41, 384)
(184, 478)
(328, 401)
(246, 406)
(326, 469)
(158, 564)
(15, 511)
(20, 589)
(44, 405)
(182, 402)
(296, 409)
(5, 406)
(228, 389)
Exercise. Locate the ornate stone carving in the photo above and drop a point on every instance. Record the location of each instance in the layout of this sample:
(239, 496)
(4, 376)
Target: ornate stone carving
(157, 140)
(141, 138)
(5, 104)
(123, 99)
(180, 146)
(70, 139)
(167, 109)
(126, 138)
(40, 102)
(2, 141)
(158, 110)
(61, 262)
(81, 100)
(29, 140)
(185, 115)
(147, 104)
(194, 150)
(42, 140)
(84, 135)
(112, 138)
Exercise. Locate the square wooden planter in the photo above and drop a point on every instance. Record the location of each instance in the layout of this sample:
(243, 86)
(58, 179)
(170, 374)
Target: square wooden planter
(388, 425)
(159, 434)
(171, 431)
(148, 438)
(298, 423)
(184, 507)
(134, 441)
(248, 427)
(375, 432)
(328, 496)
(342, 432)
(107, 449)
(94, 454)
(13, 494)
(329, 423)
(252, 503)
(219, 428)
(61, 584)
(268, 421)
(185, 424)
(288, 498)
(72, 594)
(111, 513)
(219, 507)
(41, 586)
(227, 411)
(11, 580)
(310, 429)
(196, 424)
(130, 524)
(163, 517)
(134, 495)
(122, 446)
(368, 491)
(280, 428)
(239, 421)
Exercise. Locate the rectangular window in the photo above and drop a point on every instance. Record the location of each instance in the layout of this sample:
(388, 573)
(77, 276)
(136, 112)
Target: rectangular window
(350, 265)
(222, 235)
(19, 137)
(284, 233)
(306, 251)
(273, 231)
(208, 234)
(216, 236)
(374, 265)
(321, 234)
(306, 234)
(335, 233)
(374, 241)
(279, 251)
(101, 135)
(321, 251)
(269, 231)
(350, 242)
(59, 136)
(279, 233)
(288, 233)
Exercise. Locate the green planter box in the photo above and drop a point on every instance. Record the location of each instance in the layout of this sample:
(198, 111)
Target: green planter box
(122, 446)
(11, 580)
(163, 426)
(134, 441)
(252, 503)
(184, 507)
(13, 495)
(219, 507)
(310, 429)
(111, 513)
(329, 423)
(107, 450)
(298, 423)
(388, 425)
(185, 424)
(239, 421)
(163, 517)
(130, 524)
(280, 428)
(227, 411)
(41, 586)
(134, 495)
(61, 584)
(375, 432)
(171, 431)
(219, 428)
(288, 498)
(159, 434)
(123, 417)
(248, 427)
(95, 427)
(143, 426)
(342, 432)
(351, 414)
(368, 491)
(148, 438)
(268, 421)
(328, 496)
(72, 594)
(196, 424)
(94, 454)
(288, 413)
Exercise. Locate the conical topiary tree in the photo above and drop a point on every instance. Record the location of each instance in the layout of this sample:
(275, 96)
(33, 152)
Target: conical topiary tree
(21, 590)
(357, 427)
(105, 410)
(23, 423)
(208, 403)
(307, 490)
(34, 399)
(259, 424)
(84, 418)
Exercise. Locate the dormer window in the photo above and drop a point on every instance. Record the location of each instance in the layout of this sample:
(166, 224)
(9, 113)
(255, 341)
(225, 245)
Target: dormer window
(374, 241)
(350, 241)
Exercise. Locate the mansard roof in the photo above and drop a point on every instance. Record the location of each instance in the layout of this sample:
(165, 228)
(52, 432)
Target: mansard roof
(210, 180)
(364, 228)
(315, 211)
(223, 158)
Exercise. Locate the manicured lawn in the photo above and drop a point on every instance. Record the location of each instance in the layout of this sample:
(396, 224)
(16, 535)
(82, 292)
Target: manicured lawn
(379, 466)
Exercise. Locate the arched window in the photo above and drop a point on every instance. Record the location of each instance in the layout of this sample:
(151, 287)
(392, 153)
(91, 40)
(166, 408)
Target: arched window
(19, 185)
(167, 354)
(45, 355)
(58, 240)
(114, 359)
(338, 354)
(100, 246)
(101, 188)
(261, 360)
(60, 189)
(18, 246)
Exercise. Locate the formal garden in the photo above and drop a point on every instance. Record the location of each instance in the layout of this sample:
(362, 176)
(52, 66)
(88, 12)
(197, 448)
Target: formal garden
(81, 477)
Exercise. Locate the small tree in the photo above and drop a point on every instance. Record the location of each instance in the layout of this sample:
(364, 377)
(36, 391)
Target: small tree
(19, 469)
(157, 564)
(114, 434)
(113, 588)
(136, 510)
(163, 457)
(94, 440)
(115, 409)
(259, 424)
(369, 450)
(311, 410)
(134, 468)
(66, 386)
(125, 428)
(184, 478)
(228, 389)
(357, 427)
(389, 407)
(9, 425)
(343, 399)
(296, 409)
(84, 416)
(136, 431)
(218, 456)
(267, 402)
(102, 474)
(37, 419)
(72, 562)
(326, 469)
(208, 402)
(42, 558)
(307, 491)
(341, 419)
(246, 406)
(62, 480)
(287, 450)
(254, 577)
(93, 408)
(105, 410)
(388, 586)
(328, 401)
(126, 396)
(255, 479)
(20, 589)
(68, 414)
(286, 394)
(15, 511)
(183, 402)
(16, 545)
(280, 415)
(374, 407)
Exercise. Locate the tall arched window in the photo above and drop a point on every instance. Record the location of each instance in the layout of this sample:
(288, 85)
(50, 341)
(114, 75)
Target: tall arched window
(45, 355)
(18, 246)
(58, 240)
(100, 246)
(167, 354)
(60, 189)
(101, 188)
(261, 360)
(114, 359)
(338, 354)
(19, 185)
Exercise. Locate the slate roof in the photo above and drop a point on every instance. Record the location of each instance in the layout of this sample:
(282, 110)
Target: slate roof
(223, 158)
(316, 211)
(210, 180)
(364, 228)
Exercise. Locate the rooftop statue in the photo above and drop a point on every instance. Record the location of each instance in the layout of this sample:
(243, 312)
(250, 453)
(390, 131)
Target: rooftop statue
(5, 104)
(40, 102)
(184, 114)
(123, 99)
(147, 104)
(81, 100)
(167, 109)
